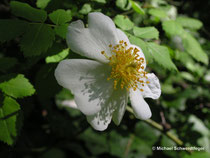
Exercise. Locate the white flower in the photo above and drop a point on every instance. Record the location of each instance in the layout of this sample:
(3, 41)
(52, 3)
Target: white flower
(101, 86)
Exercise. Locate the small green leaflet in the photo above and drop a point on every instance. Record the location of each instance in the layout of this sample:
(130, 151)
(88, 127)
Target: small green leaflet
(123, 4)
(42, 3)
(190, 44)
(8, 125)
(10, 29)
(157, 13)
(61, 30)
(161, 55)
(60, 16)
(137, 8)
(123, 22)
(17, 87)
(24, 10)
(146, 32)
(172, 28)
(58, 57)
(189, 22)
(86, 8)
(153, 51)
(192, 47)
(37, 39)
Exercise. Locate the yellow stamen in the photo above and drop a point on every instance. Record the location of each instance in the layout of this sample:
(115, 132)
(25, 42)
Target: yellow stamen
(127, 67)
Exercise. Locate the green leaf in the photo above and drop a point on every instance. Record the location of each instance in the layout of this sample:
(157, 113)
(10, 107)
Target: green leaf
(17, 87)
(58, 57)
(61, 30)
(42, 3)
(140, 43)
(8, 125)
(7, 63)
(117, 144)
(123, 22)
(10, 29)
(192, 47)
(137, 8)
(172, 28)
(161, 55)
(189, 22)
(146, 32)
(86, 8)
(153, 51)
(159, 13)
(37, 39)
(123, 4)
(24, 10)
(60, 16)
(198, 155)
(95, 142)
(100, 1)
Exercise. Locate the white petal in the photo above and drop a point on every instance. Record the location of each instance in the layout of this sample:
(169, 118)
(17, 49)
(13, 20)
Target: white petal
(89, 42)
(121, 102)
(101, 120)
(87, 80)
(152, 89)
(114, 105)
(141, 54)
(69, 103)
(140, 107)
(122, 36)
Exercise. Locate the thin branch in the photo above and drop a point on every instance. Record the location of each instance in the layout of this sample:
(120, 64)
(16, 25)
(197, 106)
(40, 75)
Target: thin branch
(161, 129)
(127, 149)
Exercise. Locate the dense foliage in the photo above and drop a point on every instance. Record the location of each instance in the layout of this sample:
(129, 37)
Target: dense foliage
(35, 123)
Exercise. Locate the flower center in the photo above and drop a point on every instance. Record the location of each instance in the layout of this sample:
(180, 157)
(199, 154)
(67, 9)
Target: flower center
(127, 67)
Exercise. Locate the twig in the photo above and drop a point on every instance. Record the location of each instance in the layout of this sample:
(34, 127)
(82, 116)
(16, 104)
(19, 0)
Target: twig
(161, 129)
(128, 145)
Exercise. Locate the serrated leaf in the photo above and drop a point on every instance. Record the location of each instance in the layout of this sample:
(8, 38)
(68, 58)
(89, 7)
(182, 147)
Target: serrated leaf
(189, 22)
(37, 39)
(123, 22)
(17, 87)
(58, 57)
(146, 32)
(42, 3)
(24, 10)
(86, 8)
(60, 16)
(159, 13)
(8, 125)
(137, 8)
(61, 30)
(192, 47)
(161, 55)
(190, 44)
(10, 29)
(172, 28)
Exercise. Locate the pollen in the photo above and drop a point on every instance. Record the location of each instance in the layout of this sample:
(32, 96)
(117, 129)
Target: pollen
(127, 70)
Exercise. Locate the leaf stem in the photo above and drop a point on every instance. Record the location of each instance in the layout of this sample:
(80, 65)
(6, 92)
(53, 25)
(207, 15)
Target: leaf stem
(161, 129)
